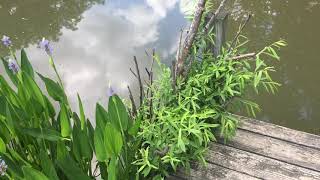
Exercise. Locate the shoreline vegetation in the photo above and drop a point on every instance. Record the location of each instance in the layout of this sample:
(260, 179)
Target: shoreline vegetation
(177, 116)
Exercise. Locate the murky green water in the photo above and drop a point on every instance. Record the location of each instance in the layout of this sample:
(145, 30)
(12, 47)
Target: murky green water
(94, 43)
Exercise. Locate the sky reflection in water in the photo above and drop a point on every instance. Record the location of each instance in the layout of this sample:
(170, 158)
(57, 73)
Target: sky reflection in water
(95, 41)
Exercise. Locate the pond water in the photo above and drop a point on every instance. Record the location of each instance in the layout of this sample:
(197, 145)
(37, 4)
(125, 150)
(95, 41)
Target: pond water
(95, 40)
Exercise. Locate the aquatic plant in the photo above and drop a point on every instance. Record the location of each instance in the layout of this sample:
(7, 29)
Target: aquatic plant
(36, 142)
(6, 41)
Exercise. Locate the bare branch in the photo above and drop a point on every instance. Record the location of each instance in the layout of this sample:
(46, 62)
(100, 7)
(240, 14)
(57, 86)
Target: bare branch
(139, 78)
(180, 41)
(173, 75)
(214, 16)
(133, 73)
(239, 32)
(243, 56)
(134, 108)
(191, 36)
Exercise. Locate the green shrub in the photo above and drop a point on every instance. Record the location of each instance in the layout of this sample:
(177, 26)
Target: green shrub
(178, 123)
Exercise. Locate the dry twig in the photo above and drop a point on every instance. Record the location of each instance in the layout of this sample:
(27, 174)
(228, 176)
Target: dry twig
(134, 108)
(139, 79)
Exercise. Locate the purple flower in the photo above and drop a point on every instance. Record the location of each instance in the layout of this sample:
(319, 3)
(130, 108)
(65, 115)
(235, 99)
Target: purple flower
(110, 92)
(45, 44)
(6, 41)
(13, 66)
(3, 167)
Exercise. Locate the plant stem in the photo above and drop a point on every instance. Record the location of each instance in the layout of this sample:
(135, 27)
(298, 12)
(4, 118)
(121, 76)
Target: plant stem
(51, 61)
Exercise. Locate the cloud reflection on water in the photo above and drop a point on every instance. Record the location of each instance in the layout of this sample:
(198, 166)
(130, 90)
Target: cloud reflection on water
(100, 51)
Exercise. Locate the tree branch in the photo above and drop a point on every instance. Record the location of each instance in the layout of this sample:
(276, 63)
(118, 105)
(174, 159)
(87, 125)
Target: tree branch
(239, 32)
(214, 16)
(139, 79)
(243, 56)
(134, 108)
(191, 36)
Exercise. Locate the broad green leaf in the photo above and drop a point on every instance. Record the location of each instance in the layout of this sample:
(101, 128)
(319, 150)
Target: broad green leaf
(9, 121)
(3, 103)
(8, 92)
(53, 89)
(81, 145)
(51, 110)
(101, 116)
(26, 65)
(61, 150)
(70, 168)
(33, 88)
(112, 169)
(23, 94)
(112, 140)
(99, 146)
(47, 166)
(118, 113)
(13, 77)
(47, 134)
(64, 121)
(33, 174)
(4, 132)
(14, 166)
(90, 134)
(103, 169)
(2, 146)
(82, 116)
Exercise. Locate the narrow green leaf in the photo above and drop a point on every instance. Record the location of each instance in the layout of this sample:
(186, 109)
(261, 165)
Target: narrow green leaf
(180, 142)
(32, 174)
(26, 65)
(112, 140)
(82, 116)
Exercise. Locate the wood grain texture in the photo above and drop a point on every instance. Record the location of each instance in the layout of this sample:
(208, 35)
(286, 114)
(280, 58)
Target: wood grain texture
(212, 172)
(256, 165)
(280, 132)
(277, 149)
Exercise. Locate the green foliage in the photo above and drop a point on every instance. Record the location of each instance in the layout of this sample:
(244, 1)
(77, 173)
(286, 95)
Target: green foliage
(37, 143)
(173, 126)
(182, 122)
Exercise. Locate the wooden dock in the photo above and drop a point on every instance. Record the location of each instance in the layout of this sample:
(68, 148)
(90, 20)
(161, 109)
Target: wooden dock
(261, 151)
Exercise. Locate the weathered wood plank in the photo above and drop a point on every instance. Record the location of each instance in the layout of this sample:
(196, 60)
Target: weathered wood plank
(277, 149)
(211, 172)
(280, 132)
(256, 165)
